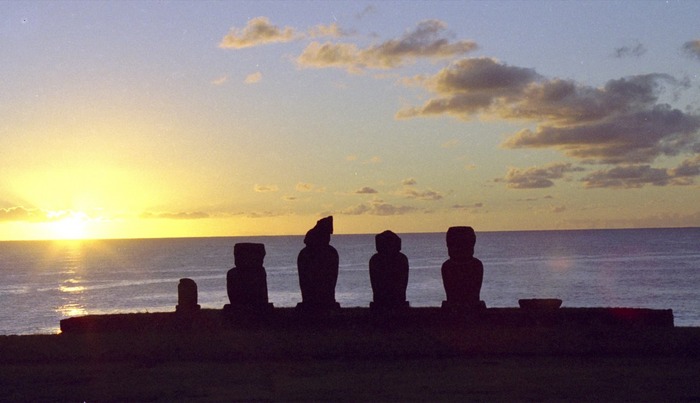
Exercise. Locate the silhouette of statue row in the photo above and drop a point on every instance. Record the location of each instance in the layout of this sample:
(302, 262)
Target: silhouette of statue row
(317, 264)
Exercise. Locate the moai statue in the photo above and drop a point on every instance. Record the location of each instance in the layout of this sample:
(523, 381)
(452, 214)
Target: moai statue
(317, 264)
(187, 296)
(388, 273)
(462, 273)
(246, 283)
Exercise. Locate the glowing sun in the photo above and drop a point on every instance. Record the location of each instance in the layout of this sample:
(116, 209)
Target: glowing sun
(72, 226)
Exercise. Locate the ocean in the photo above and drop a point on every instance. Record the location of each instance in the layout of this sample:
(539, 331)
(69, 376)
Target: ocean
(42, 282)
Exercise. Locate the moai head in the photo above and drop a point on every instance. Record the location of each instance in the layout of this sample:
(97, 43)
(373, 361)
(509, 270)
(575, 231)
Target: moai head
(320, 234)
(460, 242)
(248, 254)
(387, 243)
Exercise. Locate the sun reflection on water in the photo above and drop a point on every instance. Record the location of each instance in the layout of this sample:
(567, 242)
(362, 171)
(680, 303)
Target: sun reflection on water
(72, 291)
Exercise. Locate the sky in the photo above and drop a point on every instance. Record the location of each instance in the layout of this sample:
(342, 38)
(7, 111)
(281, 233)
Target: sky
(175, 119)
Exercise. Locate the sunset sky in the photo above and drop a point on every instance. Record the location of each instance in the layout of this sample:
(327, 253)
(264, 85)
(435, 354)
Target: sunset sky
(169, 119)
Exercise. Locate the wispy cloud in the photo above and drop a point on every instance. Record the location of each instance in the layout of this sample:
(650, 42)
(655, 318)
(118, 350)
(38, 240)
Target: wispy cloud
(468, 207)
(263, 214)
(366, 191)
(304, 187)
(183, 215)
(450, 143)
(428, 194)
(378, 207)
(368, 10)
(258, 31)
(427, 40)
(220, 80)
(636, 50)
(558, 209)
(537, 177)
(253, 78)
(265, 188)
(20, 213)
(333, 30)
(692, 48)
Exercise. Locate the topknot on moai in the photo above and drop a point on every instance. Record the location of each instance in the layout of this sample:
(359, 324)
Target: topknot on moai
(388, 273)
(462, 273)
(246, 283)
(317, 264)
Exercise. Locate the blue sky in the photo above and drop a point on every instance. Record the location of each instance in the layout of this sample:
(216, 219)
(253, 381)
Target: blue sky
(140, 119)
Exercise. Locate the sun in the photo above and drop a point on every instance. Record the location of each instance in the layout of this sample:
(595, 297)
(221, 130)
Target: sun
(73, 225)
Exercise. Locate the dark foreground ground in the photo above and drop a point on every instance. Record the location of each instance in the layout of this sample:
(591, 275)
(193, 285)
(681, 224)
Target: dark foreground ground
(375, 362)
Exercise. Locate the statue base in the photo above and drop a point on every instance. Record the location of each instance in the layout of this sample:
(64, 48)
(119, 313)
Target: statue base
(463, 306)
(397, 306)
(187, 308)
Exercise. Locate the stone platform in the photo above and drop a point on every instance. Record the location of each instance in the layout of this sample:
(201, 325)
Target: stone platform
(358, 318)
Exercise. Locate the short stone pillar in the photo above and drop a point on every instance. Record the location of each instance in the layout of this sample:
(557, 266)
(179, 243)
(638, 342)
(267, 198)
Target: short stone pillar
(187, 296)
(246, 283)
(317, 265)
(388, 273)
(462, 273)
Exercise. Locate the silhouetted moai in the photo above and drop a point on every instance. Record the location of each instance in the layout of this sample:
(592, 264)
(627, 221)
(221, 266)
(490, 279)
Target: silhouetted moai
(317, 264)
(462, 273)
(246, 283)
(187, 296)
(388, 273)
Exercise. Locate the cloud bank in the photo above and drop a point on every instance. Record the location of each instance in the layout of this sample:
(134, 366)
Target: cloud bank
(427, 40)
(537, 177)
(621, 122)
(626, 123)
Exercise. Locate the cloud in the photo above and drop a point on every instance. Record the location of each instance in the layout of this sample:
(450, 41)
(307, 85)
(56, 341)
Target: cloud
(220, 81)
(429, 194)
(263, 214)
(253, 78)
(537, 177)
(637, 176)
(333, 30)
(692, 48)
(474, 206)
(194, 215)
(378, 207)
(258, 31)
(408, 191)
(471, 86)
(427, 40)
(304, 187)
(558, 209)
(368, 10)
(265, 188)
(620, 122)
(20, 213)
(687, 168)
(635, 137)
(366, 190)
(650, 221)
(630, 51)
(450, 143)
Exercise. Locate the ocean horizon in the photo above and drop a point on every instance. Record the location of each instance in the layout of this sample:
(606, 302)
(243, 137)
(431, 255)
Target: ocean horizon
(42, 282)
